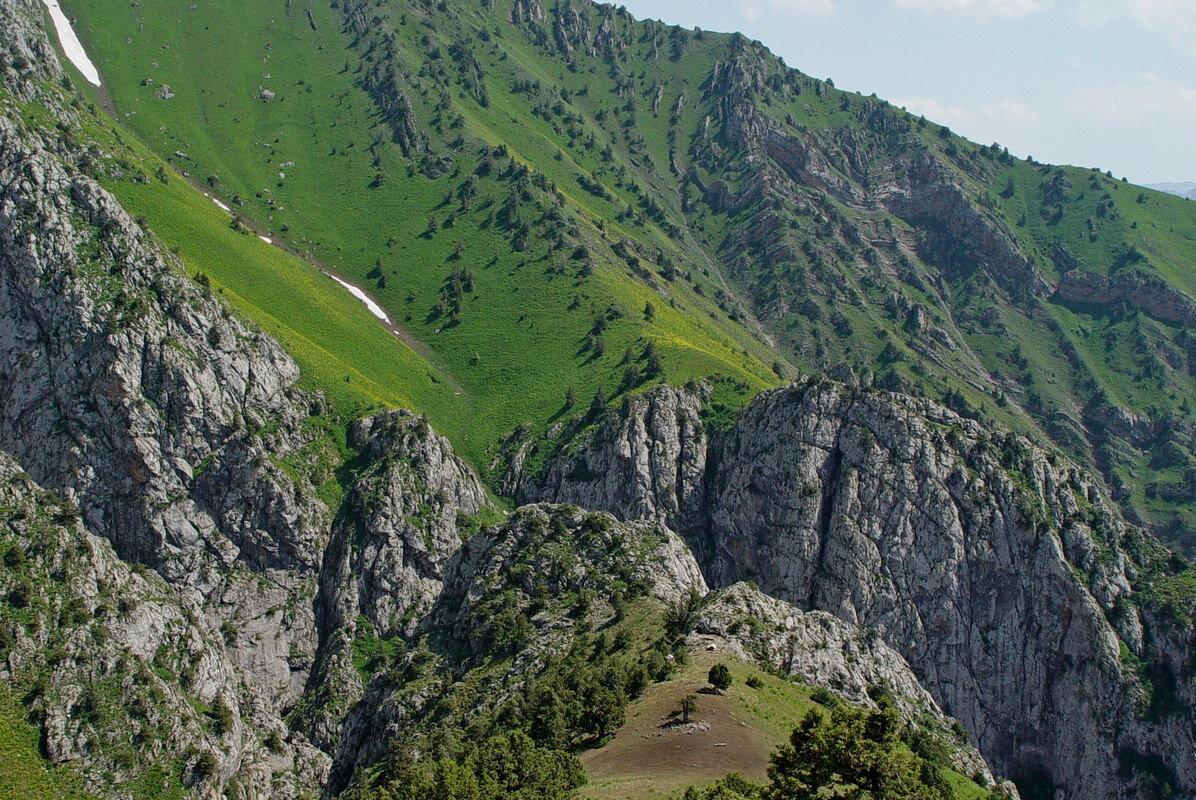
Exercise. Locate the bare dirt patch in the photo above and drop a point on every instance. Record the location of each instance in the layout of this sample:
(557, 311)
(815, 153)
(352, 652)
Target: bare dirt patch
(654, 754)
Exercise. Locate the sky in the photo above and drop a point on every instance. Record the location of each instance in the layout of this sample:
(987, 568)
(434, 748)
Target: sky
(1094, 83)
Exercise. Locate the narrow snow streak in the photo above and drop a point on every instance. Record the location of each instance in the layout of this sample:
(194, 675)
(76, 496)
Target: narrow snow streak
(71, 44)
(265, 239)
(373, 307)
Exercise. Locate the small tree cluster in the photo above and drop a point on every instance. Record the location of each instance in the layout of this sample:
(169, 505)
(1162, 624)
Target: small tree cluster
(720, 677)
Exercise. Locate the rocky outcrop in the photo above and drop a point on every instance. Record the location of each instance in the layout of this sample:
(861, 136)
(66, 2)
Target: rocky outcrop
(522, 591)
(879, 169)
(994, 568)
(131, 391)
(550, 551)
(1133, 287)
(895, 515)
(571, 28)
(387, 87)
(819, 649)
(403, 520)
(649, 460)
(131, 387)
(136, 683)
(1113, 420)
(956, 236)
(528, 12)
(814, 647)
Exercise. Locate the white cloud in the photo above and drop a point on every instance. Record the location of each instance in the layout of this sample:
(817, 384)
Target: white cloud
(753, 8)
(982, 9)
(1151, 102)
(803, 6)
(1001, 112)
(935, 111)
(1173, 19)
(1009, 111)
(1095, 13)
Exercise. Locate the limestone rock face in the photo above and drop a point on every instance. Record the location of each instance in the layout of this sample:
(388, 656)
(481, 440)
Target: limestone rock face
(994, 568)
(893, 542)
(527, 12)
(131, 387)
(391, 543)
(555, 549)
(815, 647)
(132, 392)
(787, 160)
(1135, 288)
(134, 665)
(647, 461)
(403, 518)
(524, 588)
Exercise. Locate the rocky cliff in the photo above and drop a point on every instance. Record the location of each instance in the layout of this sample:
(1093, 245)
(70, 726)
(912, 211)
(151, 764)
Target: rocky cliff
(819, 649)
(515, 598)
(121, 672)
(1134, 288)
(134, 393)
(994, 567)
(405, 517)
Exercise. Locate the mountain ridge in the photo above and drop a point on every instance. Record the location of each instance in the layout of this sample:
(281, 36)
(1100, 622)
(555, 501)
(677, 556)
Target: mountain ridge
(1182, 188)
(822, 229)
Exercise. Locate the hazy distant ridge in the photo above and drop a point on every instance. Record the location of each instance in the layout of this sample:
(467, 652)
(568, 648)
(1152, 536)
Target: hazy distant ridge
(1186, 189)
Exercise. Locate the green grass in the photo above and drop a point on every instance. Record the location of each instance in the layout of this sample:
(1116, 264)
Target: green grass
(964, 787)
(24, 774)
(329, 333)
(747, 724)
(518, 345)
(351, 200)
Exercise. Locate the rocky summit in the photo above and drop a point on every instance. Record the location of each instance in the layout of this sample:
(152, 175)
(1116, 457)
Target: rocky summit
(691, 440)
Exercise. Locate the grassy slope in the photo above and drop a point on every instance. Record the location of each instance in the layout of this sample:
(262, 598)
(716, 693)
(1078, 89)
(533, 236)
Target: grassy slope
(330, 333)
(648, 758)
(517, 348)
(24, 774)
(349, 199)
(340, 347)
(1138, 362)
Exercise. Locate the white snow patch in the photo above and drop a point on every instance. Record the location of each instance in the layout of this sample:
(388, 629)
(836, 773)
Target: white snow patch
(71, 44)
(217, 202)
(265, 239)
(373, 307)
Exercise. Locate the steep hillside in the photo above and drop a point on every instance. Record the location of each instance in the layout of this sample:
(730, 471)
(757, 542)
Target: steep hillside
(511, 177)
(474, 247)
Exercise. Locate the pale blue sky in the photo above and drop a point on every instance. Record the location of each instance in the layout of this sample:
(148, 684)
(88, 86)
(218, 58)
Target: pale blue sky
(1104, 83)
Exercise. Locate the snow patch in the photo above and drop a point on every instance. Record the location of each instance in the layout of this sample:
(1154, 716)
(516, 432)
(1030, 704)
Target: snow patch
(265, 239)
(71, 44)
(217, 202)
(373, 307)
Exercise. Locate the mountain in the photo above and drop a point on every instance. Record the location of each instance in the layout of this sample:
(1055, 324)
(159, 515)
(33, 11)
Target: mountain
(1186, 189)
(673, 357)
(512, 177)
